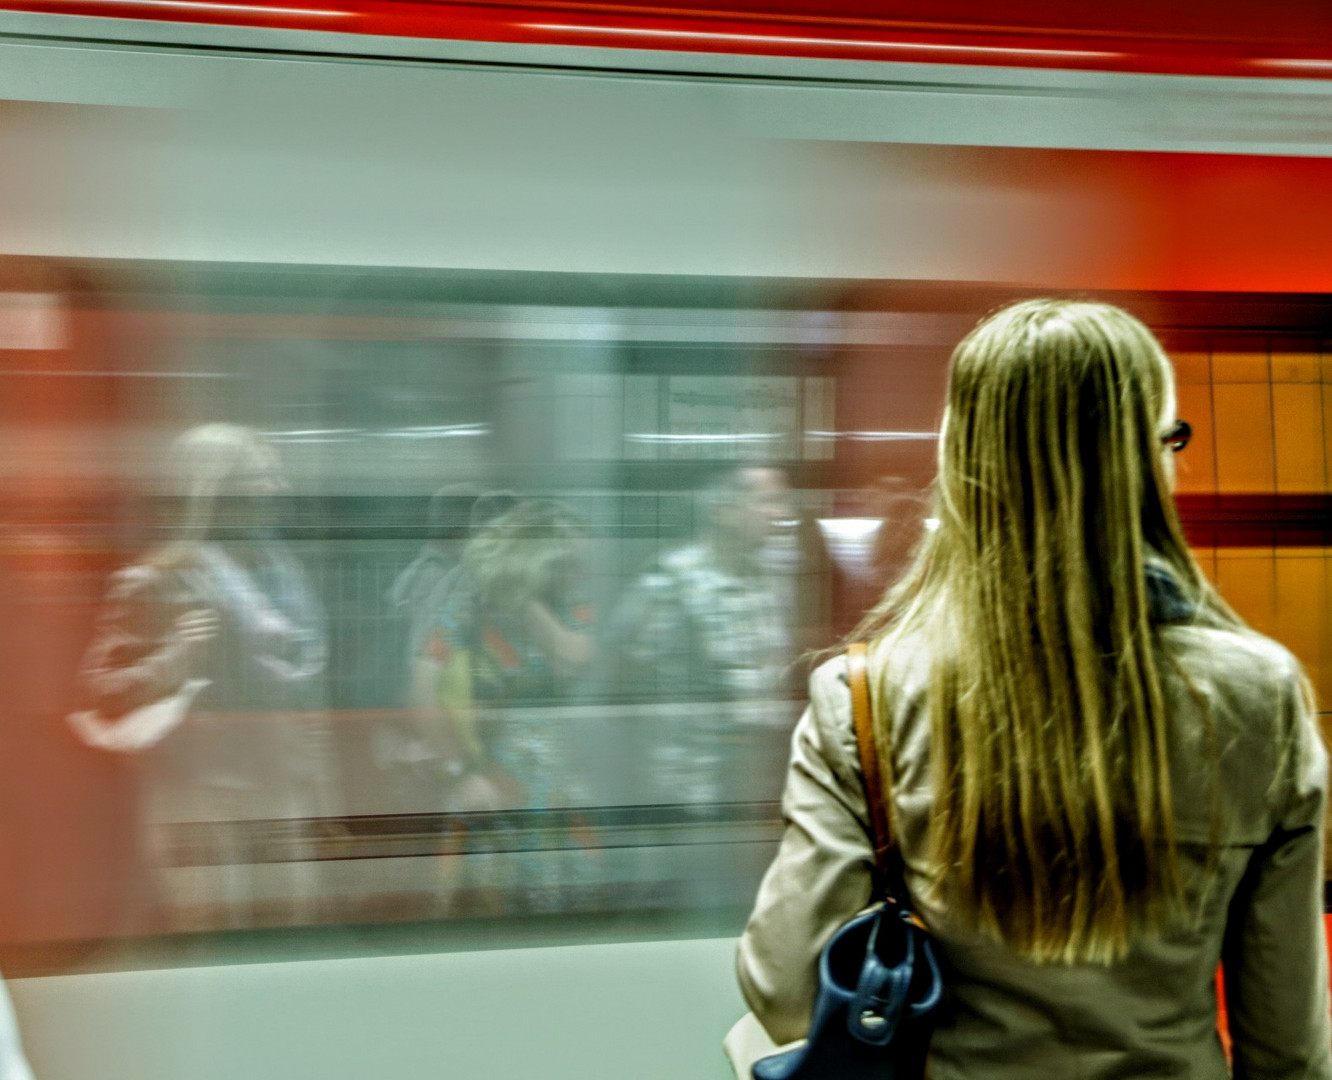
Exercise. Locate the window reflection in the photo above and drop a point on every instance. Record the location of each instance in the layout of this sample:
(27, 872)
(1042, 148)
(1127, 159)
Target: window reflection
(325, 603)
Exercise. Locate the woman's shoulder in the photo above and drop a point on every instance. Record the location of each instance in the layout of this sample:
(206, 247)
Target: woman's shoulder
(828, 721)
(898, 671)
(1258, 725)
(1235, 663)
(893, 664)
(829, 688)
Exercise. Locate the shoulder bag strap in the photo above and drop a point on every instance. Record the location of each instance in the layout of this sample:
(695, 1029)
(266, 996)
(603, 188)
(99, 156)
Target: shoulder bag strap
(877, 793)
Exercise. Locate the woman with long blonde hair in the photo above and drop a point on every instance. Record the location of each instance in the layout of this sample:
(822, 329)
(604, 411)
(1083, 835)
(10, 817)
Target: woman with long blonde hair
(1103, 783)
(224, 614)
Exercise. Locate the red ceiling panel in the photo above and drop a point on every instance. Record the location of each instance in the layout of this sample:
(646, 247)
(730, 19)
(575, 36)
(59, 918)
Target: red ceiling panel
(1283, 39)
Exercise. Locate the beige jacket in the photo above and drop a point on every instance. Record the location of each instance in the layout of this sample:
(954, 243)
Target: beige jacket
(1259, 908)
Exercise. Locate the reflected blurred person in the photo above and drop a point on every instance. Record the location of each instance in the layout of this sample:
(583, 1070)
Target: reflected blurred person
(410, 756)
(710, 623)
(225, 616)
(512, 633)
(456, 513)
(512, 629)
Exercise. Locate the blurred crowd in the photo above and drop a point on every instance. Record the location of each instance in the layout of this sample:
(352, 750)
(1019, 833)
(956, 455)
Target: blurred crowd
(209, 670)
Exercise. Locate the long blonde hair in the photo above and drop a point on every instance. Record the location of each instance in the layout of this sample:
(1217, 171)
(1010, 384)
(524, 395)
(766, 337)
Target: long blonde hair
(529, 552)
(204, 460)
(1053, 823)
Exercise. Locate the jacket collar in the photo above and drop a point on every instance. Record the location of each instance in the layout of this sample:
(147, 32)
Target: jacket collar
(1166, 601)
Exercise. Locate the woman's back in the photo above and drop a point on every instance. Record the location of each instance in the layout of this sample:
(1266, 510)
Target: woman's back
(1257, 905)
(1105, 782)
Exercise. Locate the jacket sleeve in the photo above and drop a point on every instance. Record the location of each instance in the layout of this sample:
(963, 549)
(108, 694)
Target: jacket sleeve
(134, 658)
(1275, 952)
(821, 875)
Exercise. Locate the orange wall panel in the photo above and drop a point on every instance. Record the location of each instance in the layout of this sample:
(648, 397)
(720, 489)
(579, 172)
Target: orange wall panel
(1249, 366)
(1300, 367)
(1327, 429)
(1195, 466)
(1192, 368)
(1206, 558)
(1246, 578)
(1244, 452)
(1322, 610)
(1297, 410)
(1301, 621)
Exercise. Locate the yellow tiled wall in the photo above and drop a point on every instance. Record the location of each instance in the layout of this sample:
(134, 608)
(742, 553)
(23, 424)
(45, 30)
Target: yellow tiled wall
(1262, 421)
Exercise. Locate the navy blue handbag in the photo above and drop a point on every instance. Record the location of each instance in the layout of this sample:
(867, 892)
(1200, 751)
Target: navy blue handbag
(879, 980)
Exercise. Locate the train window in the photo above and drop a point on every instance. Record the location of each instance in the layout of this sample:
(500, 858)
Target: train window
(435, 599)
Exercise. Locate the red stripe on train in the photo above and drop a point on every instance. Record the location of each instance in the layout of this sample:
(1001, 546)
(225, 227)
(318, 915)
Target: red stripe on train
(1282, 40)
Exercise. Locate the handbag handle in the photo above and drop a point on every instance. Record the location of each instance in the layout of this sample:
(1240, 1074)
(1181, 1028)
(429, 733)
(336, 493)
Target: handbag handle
(877, 794)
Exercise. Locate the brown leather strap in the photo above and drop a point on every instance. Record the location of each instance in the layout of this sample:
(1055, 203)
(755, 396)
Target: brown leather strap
(877, 793)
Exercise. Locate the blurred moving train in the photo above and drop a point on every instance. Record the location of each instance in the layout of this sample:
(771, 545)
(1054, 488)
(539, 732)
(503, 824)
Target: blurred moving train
(645, 311)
